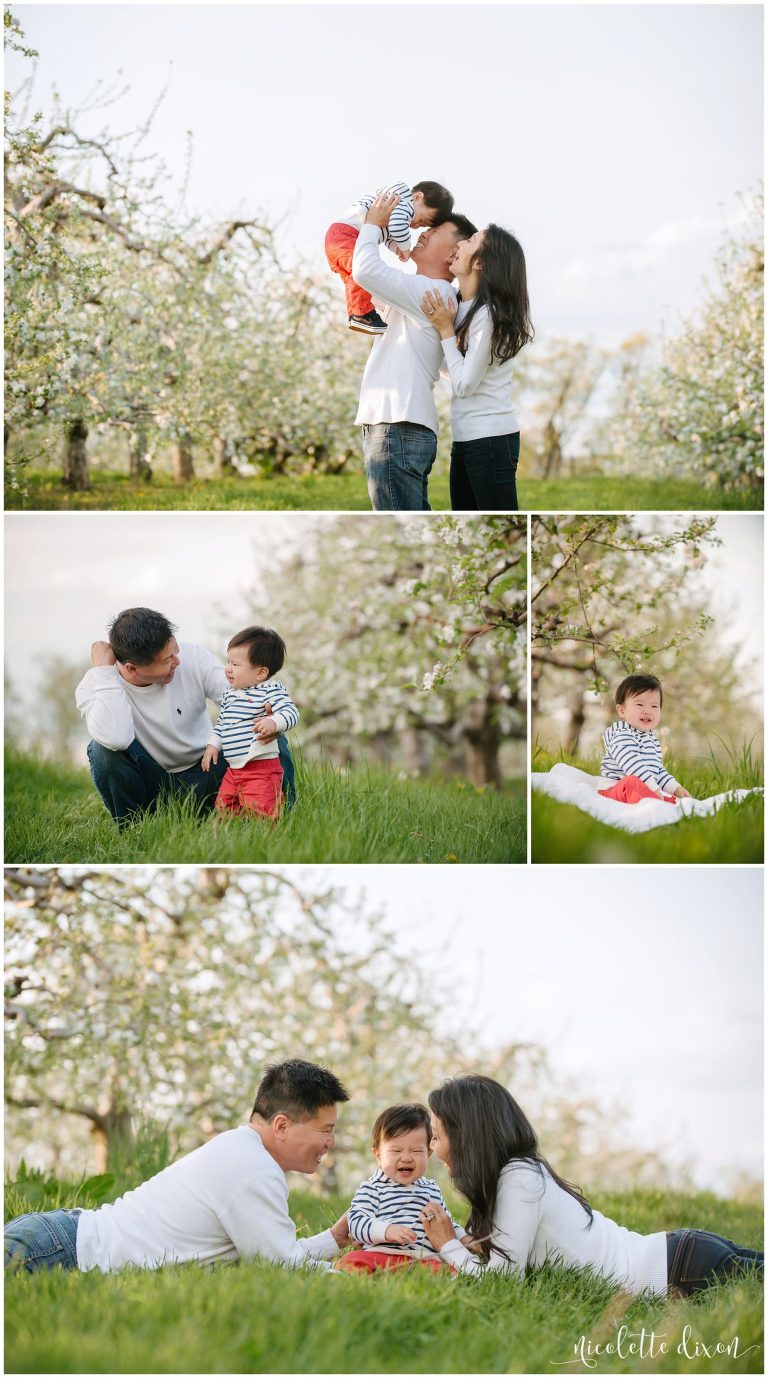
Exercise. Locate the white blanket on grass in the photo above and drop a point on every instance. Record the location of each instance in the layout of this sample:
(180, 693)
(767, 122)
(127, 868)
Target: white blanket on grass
(572, 786)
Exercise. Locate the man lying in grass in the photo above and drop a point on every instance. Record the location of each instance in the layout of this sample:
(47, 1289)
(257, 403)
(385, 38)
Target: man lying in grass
(226, 1200)
(144, 702)
(632, 765)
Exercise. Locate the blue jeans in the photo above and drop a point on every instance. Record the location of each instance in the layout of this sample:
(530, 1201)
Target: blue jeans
(696, 1259)
(45, 1239)
(483, 474)
(398, 458)
(131, 782)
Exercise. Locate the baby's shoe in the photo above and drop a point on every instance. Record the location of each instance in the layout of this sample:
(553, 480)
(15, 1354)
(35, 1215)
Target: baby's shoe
(370, 324)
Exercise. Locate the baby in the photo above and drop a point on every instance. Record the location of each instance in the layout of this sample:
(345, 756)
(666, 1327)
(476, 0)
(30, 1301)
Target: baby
(385, 1214)
(632, 763)
(253, 780)
(419, 207)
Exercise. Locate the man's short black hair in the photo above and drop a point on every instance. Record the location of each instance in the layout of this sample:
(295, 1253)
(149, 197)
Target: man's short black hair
(464, 225)
(138, 635)
(397, 1119)
(265, 647)
(297, 1089)
(438, 199)
(638, 684)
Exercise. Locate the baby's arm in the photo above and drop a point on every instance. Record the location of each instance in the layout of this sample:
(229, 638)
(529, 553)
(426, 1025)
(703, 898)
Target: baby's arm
(367, 1227)
(211, 753)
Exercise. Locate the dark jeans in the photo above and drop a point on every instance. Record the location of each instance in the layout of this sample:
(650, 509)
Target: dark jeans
(483, 474)
(398, 458)
(45, 1239)
(131, 782)
(696, 1259)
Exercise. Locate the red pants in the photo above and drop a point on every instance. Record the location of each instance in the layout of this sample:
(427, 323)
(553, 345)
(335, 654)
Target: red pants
(252, 788)
(372, 1261)
(631, 790)
(340, 244)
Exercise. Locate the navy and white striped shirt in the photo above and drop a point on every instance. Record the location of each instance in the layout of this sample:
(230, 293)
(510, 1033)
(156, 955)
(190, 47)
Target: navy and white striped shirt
(631, 752)
(379, 1202)
(233, 733)
(398, 230)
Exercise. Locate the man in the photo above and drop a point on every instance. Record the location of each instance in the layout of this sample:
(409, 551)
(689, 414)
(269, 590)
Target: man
(144, 703)
(226, 1200)
(397, 408)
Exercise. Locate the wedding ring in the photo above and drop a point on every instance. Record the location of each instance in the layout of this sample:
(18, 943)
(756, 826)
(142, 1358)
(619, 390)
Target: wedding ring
(429, 1215)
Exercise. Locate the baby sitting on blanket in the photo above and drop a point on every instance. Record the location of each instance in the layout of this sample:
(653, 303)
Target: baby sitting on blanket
(632, 766)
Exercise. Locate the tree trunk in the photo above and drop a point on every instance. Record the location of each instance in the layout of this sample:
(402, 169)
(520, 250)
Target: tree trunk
(553, 455)
(577, 709)
(76, 474)
(138, 443)
(414, 750)
(222, 457)
(183, 465)
(114, 1138)
(483, 740)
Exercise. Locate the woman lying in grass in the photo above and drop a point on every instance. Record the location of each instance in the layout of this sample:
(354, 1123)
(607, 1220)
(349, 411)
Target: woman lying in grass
(524, 1213)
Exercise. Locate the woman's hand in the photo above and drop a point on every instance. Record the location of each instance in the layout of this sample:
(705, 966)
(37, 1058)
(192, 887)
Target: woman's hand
(439, 313)
(438, 1226)
(382, 208)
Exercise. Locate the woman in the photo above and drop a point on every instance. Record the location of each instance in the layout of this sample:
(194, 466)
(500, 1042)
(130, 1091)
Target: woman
(522, 1212)
(491, 326)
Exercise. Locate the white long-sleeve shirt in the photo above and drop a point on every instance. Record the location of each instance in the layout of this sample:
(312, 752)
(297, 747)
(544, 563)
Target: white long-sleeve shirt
(631, 752)
(379, 1202)
(537, 1222)
(234, 733)
(398, 231)
(226, 1200)
(481, 402)
(404, 363)
(169, 720)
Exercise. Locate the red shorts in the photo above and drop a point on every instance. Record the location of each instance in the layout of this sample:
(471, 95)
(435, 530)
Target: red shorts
(340, 244)
(631, 790)
(374, 1260)
(253, 788)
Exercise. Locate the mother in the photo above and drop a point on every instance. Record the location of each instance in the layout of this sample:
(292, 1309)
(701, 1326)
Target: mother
(522, 1212)
(479, 342)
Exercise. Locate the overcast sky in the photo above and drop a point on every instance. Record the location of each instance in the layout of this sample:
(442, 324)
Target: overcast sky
(614, 140)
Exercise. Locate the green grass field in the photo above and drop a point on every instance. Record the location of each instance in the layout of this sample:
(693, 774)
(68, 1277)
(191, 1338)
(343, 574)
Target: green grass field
(53, 814)
(562, 833)
(42, 490)
(252, 1318)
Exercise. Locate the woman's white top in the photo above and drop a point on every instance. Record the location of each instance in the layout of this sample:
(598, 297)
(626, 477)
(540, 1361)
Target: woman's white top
(537, 1222)
(482, 389)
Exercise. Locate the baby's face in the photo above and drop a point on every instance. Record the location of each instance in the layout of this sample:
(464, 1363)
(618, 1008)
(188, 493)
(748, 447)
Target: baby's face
(423, 215)
(239, 671)
(404, 1157)
(643, 711)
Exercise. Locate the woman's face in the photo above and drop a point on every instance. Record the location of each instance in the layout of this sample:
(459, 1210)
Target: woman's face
(465, 251)
(439, 1144)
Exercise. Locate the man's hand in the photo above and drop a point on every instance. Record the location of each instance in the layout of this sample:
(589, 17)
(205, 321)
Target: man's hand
(102, 654)
(682, 793)
(402, 254)
(340, 1231)
(400, 1234)
(210, 756)
(381, 210)
(265, 728)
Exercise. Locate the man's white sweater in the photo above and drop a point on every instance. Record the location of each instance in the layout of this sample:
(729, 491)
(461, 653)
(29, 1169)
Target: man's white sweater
(171, 721)
(226, 1200)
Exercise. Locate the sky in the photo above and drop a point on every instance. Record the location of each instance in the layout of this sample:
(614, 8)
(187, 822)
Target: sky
(68, 574)
(614, 140)
(645, 986)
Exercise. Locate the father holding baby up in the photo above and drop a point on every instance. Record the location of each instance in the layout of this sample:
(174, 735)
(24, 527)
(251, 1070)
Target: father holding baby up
(397, 407)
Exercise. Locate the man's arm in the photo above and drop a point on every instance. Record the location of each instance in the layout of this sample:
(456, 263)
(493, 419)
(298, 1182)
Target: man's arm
(103, 703)
(390, 285)
(212, 675)
(258, 1223)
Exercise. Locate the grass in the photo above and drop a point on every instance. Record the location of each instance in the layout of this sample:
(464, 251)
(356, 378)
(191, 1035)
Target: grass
(253, 1318)
(42, 490)
(562, 833)
(53, 814)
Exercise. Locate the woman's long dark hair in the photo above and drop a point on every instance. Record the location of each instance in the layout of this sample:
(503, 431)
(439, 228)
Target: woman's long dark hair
(486, 1129)
(504, 290)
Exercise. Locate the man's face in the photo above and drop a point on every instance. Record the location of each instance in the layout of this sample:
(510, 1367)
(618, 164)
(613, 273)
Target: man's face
(304, 1143)
(160, 670)
(642, 711)
(403, 1157)
(434, 251)
(239, 671)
